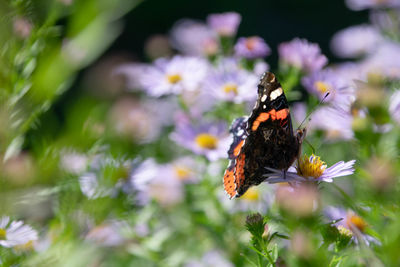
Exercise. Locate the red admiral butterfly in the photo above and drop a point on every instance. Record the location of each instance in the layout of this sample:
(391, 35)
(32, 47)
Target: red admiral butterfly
(265, 139)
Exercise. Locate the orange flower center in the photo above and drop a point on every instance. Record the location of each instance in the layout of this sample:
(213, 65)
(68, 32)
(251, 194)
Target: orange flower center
(357, 221)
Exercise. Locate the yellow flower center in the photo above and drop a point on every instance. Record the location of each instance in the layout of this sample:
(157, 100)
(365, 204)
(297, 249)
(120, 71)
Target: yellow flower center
(230, 87)
(28, 246)
(182, 173)
(174, 78)
(311, 166)
(344, 231)
(205, 140)
(3, 234)
(357, 221)
(322, 87)
(252, 194)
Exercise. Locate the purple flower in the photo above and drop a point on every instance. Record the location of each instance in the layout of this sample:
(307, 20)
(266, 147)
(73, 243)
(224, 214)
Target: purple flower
(387, 20)
(94, 184)
(311, 169)
(194, 38)
(210, 258)
(208, 139)
(225, 24)
(335, 122)
(228, 82)
(364, 4)
(109, 234)
(355, 41)
(302, 54)
(394, 106)
(251, 47)
(350, 224)
(130, 118)
(385, 61)
(171, 76)
(256, 199)
(154, 181)
(324, 81)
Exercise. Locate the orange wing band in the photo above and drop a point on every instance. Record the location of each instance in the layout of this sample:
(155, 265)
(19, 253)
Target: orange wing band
(273, 114)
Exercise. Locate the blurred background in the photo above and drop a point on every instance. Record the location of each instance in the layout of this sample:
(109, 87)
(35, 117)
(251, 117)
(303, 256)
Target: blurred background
(115, 132)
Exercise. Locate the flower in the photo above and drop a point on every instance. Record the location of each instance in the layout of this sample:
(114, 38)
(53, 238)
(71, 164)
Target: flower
(139, 120)
(355, 41)
(301, 200)
(302, 54)
(321, 82)
(231, 83)
(108, 234)
(208, 139)
(311, 169)
(256, 199)
(105, 176)
(73, 162)
(172, 76)
(159, 182)
(225, 24)
(15, 233)
(194, 38)
(350, 224)
(336, 123)
(364, 4)
(209, 259)
(251, 47)
(385, 61)
(394, 106)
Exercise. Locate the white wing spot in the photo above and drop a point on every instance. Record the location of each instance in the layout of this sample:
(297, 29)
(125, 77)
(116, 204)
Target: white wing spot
(264, 107)
(263, 98)
(274, 94)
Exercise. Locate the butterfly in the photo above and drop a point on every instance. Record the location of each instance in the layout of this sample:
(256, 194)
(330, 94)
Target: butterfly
(264, 139)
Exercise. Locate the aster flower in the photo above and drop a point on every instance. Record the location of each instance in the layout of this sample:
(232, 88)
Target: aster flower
(256, 199)
(385, 61)
(394, 106)
(172, 76)
(311, 169)
(355, 41)
(228, 82)
(194, 38)
(107, 234)
(225, 24)
(324, 81)
(365, 4)
(94, 183)
(209, 259)
(73, 162)
(336, 123)
(349, 224)
(15, 233)
(159, 182)
(251, 47)
(302, 54)
(130, 118)
(208, 139)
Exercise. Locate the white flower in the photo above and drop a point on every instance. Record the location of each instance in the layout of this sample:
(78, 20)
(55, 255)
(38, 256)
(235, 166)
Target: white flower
(15, 233)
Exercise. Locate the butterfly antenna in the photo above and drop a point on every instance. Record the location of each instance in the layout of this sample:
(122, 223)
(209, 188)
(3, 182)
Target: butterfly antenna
(309, 115)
